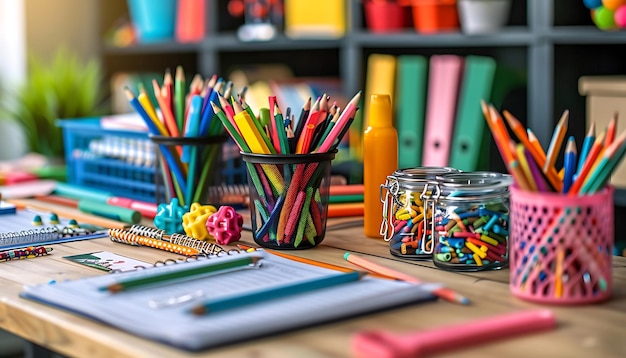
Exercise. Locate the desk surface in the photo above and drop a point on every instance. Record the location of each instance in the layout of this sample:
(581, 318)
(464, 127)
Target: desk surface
(582, 331)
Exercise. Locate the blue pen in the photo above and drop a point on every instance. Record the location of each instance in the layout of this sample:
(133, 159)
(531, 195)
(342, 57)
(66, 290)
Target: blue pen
(569, 164)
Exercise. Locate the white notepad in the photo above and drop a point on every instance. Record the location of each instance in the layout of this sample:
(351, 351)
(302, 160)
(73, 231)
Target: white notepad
(144, 311)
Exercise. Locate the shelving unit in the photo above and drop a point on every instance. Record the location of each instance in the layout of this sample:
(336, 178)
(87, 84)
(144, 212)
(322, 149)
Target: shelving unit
(553, 42)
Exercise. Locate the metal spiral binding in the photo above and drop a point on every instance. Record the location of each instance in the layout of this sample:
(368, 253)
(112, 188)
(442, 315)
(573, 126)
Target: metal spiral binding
(29, 236)
(204, 247)
(147, 231)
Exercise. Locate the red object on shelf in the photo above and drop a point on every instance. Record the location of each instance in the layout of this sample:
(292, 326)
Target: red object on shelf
(432, 16)
(386, 16)
(190, 20)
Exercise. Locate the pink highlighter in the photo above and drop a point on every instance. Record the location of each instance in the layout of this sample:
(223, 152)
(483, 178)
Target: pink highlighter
(422, 343)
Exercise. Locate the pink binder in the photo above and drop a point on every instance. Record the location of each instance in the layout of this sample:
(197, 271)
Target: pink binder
(443, 86)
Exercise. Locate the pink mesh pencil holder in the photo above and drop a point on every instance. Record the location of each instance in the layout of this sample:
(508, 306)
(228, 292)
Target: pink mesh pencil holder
(561, 246)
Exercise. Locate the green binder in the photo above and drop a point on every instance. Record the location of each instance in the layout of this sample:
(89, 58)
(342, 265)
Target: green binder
(411, 80)
(467, 151)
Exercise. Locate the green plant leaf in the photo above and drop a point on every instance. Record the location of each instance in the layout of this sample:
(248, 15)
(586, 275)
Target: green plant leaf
(63, 88)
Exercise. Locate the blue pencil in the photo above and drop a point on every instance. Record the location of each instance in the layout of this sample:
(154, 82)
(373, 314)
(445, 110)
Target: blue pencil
(273, 293)
(207, 112)
(569, 164)
(167, 154)
(190, 152)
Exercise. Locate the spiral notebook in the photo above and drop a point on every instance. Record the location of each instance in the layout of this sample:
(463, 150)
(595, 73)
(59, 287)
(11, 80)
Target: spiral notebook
(21, 229)
(138, 312)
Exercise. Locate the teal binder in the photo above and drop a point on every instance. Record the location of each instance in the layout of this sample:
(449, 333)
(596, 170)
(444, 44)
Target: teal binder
(412, 78)
(467, 151)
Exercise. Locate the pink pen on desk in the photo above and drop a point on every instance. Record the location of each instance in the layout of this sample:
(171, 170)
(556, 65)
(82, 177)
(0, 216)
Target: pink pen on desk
(450, 337)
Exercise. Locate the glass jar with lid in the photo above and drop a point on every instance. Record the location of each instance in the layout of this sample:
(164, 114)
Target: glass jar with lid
(407, 224)
(472, 221)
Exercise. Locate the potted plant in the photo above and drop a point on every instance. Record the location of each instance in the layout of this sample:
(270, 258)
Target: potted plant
(66, 87)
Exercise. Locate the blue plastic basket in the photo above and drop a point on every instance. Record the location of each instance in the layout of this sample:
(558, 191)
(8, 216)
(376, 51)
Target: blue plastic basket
(122, 162)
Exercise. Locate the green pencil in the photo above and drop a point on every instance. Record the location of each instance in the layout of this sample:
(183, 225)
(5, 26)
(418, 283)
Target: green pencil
(158, 277)
(604, 174)
(179, 98)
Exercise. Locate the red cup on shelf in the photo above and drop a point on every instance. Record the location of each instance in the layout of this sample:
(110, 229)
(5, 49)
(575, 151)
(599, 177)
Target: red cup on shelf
(386, 15)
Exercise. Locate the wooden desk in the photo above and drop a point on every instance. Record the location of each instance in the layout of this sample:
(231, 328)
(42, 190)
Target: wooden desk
(584, 331)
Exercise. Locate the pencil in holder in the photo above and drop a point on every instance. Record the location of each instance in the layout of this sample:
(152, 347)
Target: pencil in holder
(188, 169)
(561, 246)
(288, 198)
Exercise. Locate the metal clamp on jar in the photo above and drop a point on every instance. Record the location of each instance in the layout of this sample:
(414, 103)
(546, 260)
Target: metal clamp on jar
(408, 207)
(472, 221)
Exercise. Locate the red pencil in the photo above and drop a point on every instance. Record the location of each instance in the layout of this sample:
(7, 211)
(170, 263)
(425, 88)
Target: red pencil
(610, 131)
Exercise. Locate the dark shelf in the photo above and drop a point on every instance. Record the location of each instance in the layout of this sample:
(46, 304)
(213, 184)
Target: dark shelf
(511, 36)
(585, 35)
(171, 47)
(230, 42)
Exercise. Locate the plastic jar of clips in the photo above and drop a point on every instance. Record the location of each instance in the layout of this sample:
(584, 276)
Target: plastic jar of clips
(404, 210)
(472, 221)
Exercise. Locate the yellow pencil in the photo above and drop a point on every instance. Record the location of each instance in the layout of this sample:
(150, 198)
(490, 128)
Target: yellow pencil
(250, 134)
(521, 157)
(147, 105)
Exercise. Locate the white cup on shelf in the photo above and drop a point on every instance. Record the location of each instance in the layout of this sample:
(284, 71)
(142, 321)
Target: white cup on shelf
(483, 16)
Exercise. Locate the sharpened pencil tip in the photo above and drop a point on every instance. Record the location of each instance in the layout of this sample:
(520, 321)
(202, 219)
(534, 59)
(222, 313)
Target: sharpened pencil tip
(115, 288)
(199, 311)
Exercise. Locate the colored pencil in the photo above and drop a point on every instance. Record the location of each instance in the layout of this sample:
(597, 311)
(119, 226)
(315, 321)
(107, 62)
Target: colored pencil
(167, 89)
(280, 129)
(502, 139)
(273, 127)
(274, 293)
(555, 143)
(591, 158)
(149, 108)
(231, 128)
(166, 110)
(443, 293)
(342, 122)
(597, 176)
(587, 143)
(304, 114)
(520, 150)
(522, 135)
(536, 173)
(532, 138)
(158, 277)
(605, 175)
(569, 164)
(611, 131)
(179, 97)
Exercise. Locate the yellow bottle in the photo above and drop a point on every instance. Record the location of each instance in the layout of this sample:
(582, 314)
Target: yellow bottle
(380, 159)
